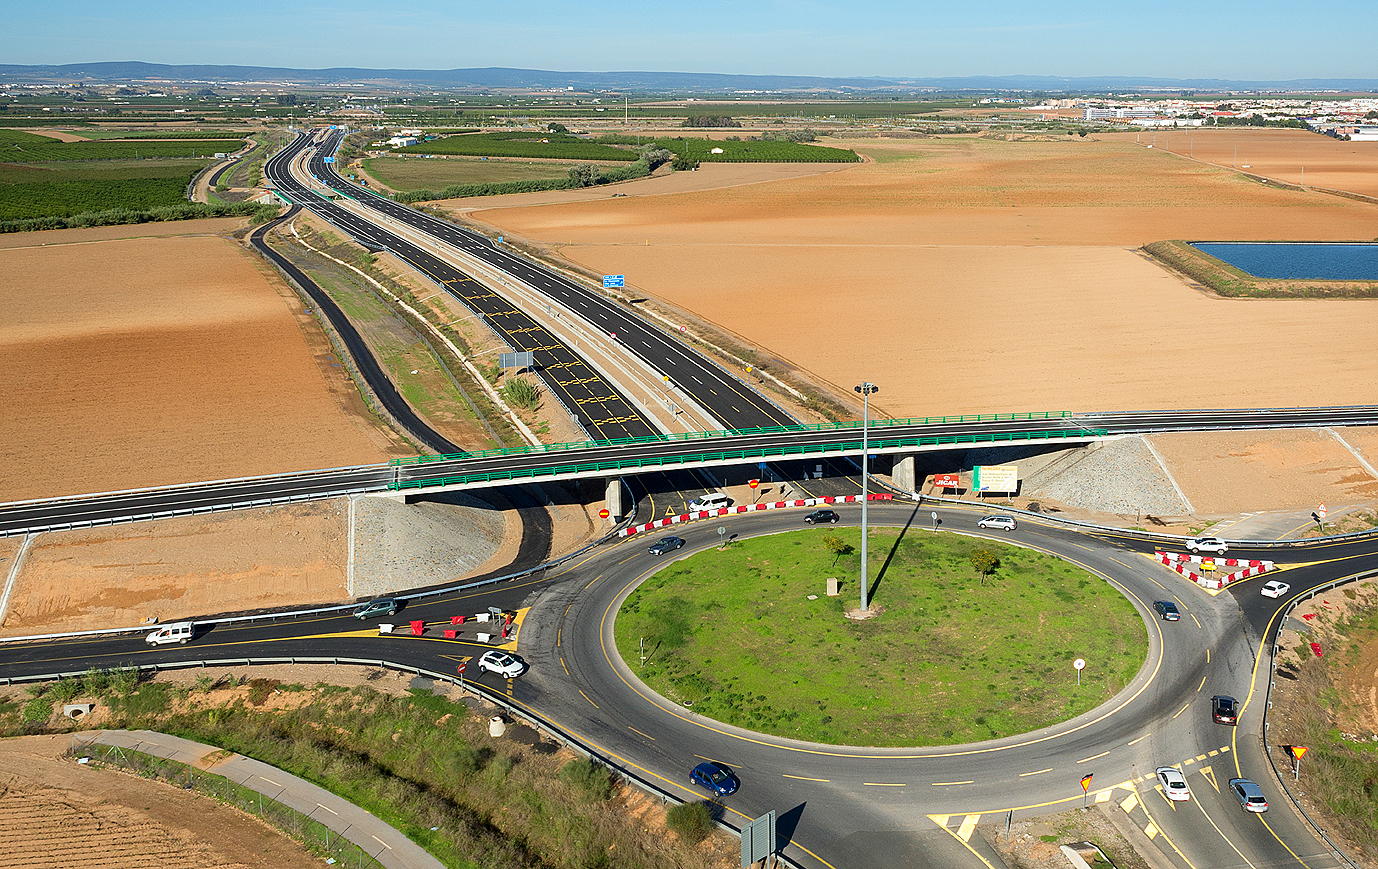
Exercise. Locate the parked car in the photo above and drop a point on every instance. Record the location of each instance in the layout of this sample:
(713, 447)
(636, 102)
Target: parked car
(714, 777)
(818, 517)
(666, 544)
(177, 632)
(711, 501)
(1168, 610)
(1250, 795)
(383, 606)
(1000, 523)
(1174, 785)
(1224, 709)
(1207, 544)
(1275, 588)
(502, 663)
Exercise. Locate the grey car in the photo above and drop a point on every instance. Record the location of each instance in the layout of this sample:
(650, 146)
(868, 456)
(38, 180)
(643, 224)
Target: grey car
(1250, 795)
(383, 606)
(666, 544)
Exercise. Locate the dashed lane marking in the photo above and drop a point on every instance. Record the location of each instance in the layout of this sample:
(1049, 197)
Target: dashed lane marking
(1093, 757)
(804, 777)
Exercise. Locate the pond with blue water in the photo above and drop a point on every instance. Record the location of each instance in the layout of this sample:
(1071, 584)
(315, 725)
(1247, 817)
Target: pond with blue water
(1288, 261)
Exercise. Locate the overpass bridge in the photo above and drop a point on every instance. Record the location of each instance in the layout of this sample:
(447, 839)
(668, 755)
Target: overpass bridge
(614, 459)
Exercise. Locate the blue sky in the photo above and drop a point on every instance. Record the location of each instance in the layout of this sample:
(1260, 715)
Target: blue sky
(1173, 39)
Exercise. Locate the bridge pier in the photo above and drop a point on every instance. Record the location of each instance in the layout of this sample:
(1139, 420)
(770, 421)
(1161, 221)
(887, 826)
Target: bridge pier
(613, 497)
(902, 474)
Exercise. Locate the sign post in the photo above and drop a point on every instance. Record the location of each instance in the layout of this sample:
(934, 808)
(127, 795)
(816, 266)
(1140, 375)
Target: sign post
(1297, 751)
(460, 668)
(604, 514)
(758, 839)
(1321, 512)
(721, 532)
(614, 282)
(1086, 787)
(934, 517)
(754, 484)
(1080, 664)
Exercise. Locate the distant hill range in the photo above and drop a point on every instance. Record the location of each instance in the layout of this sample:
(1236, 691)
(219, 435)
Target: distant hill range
(499, 78)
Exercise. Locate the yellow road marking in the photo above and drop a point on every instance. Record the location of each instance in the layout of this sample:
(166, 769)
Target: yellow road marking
(1093, 757)
(1210, 776)
(1129, 802)
(804, 777)
(939, 784)
(647, 735)
(1151, 831)
(586, 697)
(886, 784)
(1039, 772)
(1202, 685)
(1180, 711)
(968, 826)
(1141, 739)
(1195, 619)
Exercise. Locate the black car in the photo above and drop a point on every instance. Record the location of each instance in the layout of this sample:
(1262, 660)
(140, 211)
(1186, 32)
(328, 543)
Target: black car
(1224, 709)
(1167, 609)
(818, 517)
(666, 544)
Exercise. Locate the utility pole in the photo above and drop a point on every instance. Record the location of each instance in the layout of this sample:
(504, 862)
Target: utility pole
(865, 389)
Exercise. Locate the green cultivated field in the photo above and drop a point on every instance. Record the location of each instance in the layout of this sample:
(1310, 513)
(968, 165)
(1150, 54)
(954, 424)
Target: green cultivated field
(698, 150)
(413, 174)
(525, 144)
(62, 189)
(20, 147)
(950, 660)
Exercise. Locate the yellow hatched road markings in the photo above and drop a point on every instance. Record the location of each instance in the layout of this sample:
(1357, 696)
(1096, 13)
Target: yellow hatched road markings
(1210, 777)
(968, 827)
(1129, 802)
(1151, 831)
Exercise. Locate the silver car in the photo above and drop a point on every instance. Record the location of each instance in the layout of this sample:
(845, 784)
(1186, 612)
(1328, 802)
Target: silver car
(1250, 795)
(999, 523)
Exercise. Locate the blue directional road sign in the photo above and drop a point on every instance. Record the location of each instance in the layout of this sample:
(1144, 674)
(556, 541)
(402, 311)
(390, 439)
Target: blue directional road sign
(330, 159)
(614, 281)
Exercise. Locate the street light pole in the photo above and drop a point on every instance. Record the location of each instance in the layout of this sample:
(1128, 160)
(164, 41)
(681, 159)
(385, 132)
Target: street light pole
(865, 389)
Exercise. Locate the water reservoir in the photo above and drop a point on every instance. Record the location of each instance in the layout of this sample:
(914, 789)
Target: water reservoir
(1326, 262)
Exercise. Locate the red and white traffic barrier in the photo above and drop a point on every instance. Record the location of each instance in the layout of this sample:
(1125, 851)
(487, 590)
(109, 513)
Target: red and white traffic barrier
(748, 508)
(1178, 564)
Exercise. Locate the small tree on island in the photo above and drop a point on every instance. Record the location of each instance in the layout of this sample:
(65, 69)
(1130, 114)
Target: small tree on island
(985, 562)
(837, 546)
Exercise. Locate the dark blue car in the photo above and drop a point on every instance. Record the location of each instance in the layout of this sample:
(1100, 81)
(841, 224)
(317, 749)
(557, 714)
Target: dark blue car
(714, 777)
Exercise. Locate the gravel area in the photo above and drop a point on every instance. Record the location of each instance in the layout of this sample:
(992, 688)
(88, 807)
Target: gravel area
(400, 546)
(1119, 476)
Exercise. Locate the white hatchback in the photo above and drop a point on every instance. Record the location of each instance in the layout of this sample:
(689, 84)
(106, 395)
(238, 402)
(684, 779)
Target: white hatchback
(1207, 544)
(1273, 588)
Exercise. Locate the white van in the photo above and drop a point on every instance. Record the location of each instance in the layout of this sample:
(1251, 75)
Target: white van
(177, 632)
(711, 501)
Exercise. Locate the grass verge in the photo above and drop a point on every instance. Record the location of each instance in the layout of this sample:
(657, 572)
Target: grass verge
(952, 658)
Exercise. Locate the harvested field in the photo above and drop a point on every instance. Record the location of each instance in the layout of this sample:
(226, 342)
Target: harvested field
(54, 813)
(944, 264)
(143, 361)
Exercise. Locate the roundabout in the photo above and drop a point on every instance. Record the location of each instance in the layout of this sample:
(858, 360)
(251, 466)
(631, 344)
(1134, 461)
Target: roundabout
(948, 654)
(846, 806)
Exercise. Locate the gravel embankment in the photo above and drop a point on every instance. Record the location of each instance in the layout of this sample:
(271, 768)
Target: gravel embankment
(1121, 476)
(400, 546)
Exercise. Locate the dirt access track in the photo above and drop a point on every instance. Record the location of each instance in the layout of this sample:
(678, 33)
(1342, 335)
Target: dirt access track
(966, 274)
(150, 355)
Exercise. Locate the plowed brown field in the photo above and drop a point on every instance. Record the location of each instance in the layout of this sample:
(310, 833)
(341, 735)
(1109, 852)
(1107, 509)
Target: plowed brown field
(141, 361)
(968, 275)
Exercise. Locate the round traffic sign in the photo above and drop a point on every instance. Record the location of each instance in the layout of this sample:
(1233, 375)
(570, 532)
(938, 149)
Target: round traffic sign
(1079, 663)
(460, 668)
(603, 514)
(753, 483)
(684, 328)
(721, 531)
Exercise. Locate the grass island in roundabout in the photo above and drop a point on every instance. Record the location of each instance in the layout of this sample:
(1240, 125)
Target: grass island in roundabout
(964, 647)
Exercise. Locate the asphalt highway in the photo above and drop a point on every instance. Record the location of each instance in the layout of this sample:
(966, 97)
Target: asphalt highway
(854, 807)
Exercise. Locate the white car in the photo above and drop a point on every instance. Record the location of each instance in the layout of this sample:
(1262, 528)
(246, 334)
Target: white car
(1274, 588)
(1207, 544)
(501, 663)
(1174, 785)
(178, 632)
(1002, 523)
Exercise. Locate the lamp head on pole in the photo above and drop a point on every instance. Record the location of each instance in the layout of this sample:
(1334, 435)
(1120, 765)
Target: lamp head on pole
(866, 388)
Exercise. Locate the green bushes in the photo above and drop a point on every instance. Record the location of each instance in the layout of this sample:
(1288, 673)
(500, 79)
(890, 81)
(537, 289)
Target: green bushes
(692, 822)
(182, 211)
(591, 780)
(522, 394)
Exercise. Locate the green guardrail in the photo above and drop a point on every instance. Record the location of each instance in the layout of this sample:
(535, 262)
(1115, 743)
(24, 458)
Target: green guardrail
(702, 435)
(754, 453)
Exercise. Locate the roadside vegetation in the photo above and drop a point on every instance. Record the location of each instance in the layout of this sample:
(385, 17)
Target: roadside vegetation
(421, 762)
(1226, 280)
(121, 216)
(1323, 702)
(974, 639)
(21, 147)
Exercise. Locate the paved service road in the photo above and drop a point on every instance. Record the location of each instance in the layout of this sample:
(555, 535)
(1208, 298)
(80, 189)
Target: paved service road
(854, 807)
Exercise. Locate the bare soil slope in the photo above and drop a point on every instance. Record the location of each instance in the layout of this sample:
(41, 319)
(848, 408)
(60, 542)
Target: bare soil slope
(141, 361)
